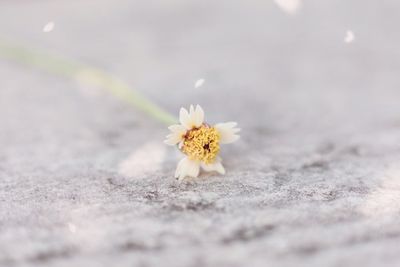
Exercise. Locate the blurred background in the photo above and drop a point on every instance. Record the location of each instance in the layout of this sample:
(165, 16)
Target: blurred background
(85, 179)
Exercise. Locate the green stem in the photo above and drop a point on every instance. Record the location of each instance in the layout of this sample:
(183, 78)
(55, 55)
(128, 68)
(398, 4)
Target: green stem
(85, 74)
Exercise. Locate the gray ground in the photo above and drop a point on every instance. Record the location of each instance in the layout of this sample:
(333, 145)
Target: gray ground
(315, 180)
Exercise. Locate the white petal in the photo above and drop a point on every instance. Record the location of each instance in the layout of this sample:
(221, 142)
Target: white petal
(185, 119)
(230, 139)
(49, 26)
(179, 167)
(195, 119)
(217, 166)
(173, 139)
(227, 132)
(199, 116)
(187, 167)
(230, 124)
(289, 6)
(177, 128)
(176, 135)
(349, 37)
(199, 83)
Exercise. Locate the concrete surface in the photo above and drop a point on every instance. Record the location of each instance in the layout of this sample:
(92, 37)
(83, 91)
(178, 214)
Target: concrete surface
(86, 181)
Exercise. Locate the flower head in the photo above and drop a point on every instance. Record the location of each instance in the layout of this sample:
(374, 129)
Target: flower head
(200, 142)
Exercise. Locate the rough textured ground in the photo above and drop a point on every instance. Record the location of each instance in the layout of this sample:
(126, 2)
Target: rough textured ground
(315, 180)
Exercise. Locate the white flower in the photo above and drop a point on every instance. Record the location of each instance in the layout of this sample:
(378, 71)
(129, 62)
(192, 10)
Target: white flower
(200, 142)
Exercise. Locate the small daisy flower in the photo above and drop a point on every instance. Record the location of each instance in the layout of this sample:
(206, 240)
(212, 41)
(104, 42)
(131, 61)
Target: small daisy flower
(200, 142)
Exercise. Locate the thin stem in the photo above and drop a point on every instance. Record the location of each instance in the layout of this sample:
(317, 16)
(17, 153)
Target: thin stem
(85, 74)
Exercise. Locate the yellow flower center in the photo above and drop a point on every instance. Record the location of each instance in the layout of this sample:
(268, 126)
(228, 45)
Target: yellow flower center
(202, 144)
